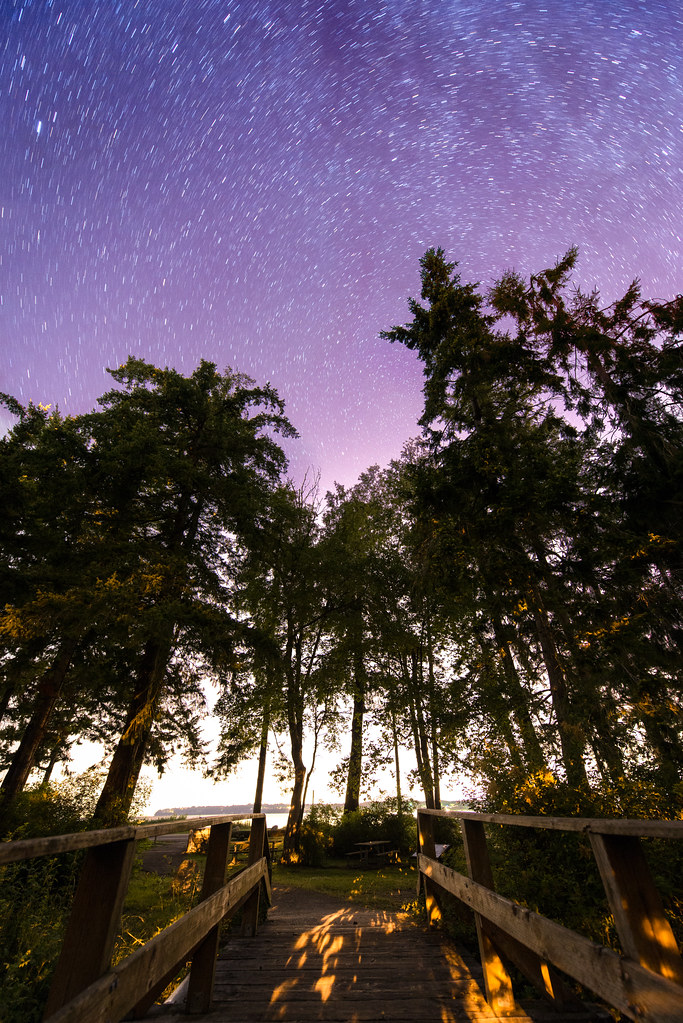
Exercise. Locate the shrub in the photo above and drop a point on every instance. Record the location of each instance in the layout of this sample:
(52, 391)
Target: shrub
(316, 835)
(377, 821)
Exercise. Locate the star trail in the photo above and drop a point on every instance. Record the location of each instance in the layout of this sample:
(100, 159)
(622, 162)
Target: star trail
(254, 183)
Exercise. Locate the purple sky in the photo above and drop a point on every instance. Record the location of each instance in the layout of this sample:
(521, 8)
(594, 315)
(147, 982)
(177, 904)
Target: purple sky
(254, 183)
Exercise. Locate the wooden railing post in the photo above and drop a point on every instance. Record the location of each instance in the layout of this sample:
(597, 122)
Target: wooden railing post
(257, 839)
(94, 921)
(644, 932)
(202, 972)
(497, 981)
(425, 838)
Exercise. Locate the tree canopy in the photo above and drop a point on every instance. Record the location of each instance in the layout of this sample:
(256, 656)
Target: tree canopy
(504, 600)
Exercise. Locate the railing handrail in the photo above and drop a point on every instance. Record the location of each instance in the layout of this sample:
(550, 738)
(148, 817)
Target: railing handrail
(639, 828)
(52, 845)
(644, 983)
(84, 984)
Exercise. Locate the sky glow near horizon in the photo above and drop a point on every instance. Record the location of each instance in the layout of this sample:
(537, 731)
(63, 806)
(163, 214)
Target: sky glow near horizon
(254, 183)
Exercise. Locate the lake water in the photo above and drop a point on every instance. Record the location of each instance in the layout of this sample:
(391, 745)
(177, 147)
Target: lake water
(272, 819)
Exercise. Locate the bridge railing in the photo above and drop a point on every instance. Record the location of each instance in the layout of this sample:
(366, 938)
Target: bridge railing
(85, 986)
(644, 983)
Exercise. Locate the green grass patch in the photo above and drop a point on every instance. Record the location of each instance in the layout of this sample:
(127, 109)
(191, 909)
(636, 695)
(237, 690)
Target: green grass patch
(154, 901)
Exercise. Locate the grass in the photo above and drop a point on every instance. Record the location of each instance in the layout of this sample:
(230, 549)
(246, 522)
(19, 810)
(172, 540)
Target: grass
(154, 901)
(390, 888)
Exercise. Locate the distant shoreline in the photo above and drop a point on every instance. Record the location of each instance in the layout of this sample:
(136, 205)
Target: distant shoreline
(215, 811)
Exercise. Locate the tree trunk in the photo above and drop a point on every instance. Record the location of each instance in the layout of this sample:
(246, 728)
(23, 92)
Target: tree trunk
(7, 694)
(262, 756)
(419, 736)
(290, 848)
(434, 719)
(352, 799)
(49, 691)
(399, 800)
(295, 721)
(519, 700)
(597, 698)
(571, 735)
(117, 793)
(55, 757)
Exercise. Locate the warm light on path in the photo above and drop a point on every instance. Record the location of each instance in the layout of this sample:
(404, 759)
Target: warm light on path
(319, 959)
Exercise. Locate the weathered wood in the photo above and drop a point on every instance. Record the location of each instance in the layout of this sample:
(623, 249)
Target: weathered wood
(318, 958)
(586, 825)
(542, 974)
(200, 979)
(629, 987)
(425, 835)
(535, 969)
(257, 841)
(110, 997)
(29, 848)
(177, 827)
(644, 931)
(200, 987)
(497, 982)
(94, 920)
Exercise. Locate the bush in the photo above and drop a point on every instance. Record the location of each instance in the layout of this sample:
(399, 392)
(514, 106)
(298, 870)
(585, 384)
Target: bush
(379, 821)
(316, 835)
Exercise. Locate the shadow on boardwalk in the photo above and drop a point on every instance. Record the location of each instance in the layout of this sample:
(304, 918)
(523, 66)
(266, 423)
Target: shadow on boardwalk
(317, 958)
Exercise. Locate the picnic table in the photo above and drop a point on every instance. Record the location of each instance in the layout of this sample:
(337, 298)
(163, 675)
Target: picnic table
(375, 853)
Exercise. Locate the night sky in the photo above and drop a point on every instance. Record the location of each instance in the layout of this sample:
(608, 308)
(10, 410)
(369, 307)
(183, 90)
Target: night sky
(254, 183)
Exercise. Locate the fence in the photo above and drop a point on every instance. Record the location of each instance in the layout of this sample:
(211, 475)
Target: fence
(84, 985)
(644, 983)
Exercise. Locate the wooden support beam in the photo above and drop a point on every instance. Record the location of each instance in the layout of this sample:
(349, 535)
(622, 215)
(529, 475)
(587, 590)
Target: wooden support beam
(425, 834)
(631, 988)
(94, 921)
(586, 825)
(497, 982)
(538, 971)
(202, 972)
(110, 997)
(644, 932)
(257, 840)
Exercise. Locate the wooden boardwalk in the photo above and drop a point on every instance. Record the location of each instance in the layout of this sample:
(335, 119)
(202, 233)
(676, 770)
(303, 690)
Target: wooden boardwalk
(319, 959)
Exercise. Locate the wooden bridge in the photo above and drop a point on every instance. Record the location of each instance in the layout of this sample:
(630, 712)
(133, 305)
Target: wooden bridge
(315, 959)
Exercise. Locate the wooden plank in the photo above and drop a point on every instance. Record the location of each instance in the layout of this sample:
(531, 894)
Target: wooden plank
(28, 848)
(644, 931)
(497, 982)
(425, 839)
(110, 997)
(200, 986)
(542, 974)
(257, 839)
(586, 825)
(94, 921)
(637, 992)
(179, 827)
(420, 1009)
(318, 958)
(537, 970)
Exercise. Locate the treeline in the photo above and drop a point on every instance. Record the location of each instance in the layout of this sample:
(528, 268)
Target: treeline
(505, 598)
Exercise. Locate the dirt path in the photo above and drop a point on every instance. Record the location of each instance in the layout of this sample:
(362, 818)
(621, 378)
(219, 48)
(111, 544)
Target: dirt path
(166, 855)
